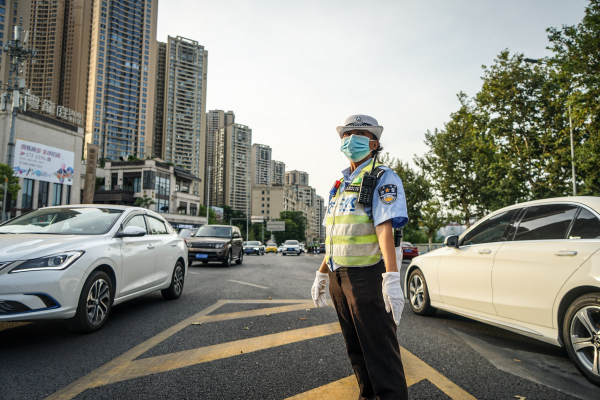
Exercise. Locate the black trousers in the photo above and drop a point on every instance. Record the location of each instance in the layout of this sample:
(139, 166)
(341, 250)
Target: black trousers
(369, 332)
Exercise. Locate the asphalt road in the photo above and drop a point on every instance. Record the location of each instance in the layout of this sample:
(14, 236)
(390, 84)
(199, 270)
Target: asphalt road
(265, 341)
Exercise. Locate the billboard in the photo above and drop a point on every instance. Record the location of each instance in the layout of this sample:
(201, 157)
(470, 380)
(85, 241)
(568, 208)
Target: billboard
(276, 226)
(43, 163)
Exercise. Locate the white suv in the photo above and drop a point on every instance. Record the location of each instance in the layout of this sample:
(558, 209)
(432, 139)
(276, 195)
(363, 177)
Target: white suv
(291, 247)
(76, 262)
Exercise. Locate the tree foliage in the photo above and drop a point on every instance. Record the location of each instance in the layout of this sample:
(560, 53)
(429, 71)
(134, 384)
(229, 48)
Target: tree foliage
(295, 227)
(13, 181)
(144, 201)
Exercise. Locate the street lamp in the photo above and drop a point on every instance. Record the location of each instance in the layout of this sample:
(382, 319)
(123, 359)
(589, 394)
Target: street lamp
(534, 61)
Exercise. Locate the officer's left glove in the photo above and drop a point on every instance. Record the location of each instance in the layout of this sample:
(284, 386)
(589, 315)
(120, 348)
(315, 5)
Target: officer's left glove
(392, 294)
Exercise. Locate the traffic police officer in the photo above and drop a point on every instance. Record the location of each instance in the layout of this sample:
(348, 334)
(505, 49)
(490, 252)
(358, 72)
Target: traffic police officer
(360, 252)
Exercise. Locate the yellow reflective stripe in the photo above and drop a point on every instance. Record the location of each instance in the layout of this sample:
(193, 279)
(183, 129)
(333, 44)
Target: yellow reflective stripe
(353, 239)
(349, 219)
(357, 261)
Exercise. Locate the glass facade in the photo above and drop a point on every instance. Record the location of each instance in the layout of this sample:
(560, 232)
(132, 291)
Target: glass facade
(27, 199)
(162, 193)
(57, 194)
(119, 109)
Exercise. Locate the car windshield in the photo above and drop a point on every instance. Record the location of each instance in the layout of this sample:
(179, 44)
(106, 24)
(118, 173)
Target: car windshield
(64, 221)
(214, 231)
(186, 233)
(252, 244)
(291, 242)
(407, 244)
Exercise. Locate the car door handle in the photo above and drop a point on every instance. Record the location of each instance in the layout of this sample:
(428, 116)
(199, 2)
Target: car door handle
(150, 246)
(565, 253)
(173, 244)
(484, 251)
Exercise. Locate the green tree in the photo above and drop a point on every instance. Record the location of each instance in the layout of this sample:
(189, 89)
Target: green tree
(433, 218)
(577, 57)
(144, 201)
(295, 227)
(417, 189)
(529, 128)
(13, 181)
(212, 216)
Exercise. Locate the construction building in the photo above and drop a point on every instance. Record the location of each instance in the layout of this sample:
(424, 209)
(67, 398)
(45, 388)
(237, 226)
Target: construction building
(159, 105)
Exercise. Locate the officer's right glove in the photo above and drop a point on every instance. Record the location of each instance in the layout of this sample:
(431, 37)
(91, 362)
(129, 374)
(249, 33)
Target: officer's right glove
(318, 290)
(392, 294)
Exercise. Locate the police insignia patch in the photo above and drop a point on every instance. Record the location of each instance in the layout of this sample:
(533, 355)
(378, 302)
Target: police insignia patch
(388, 194)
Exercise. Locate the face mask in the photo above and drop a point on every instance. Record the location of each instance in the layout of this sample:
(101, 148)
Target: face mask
(355, 147)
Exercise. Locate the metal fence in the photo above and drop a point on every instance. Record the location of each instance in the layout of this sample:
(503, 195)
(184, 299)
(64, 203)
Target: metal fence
(424, 247)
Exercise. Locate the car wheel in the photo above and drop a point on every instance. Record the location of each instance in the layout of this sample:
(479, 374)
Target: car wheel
(581, 334)
(227, 261)
(95, 303)
(418, 295)
(240, 258)
(283, 254)
(176, 288)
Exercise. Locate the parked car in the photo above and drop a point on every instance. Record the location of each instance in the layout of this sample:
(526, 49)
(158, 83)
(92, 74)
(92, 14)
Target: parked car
(531, 268)
(271, 248)
(187, 232)
(221, 243)
(291, 247)
(409, 251)
(73, 263)
(254, 247)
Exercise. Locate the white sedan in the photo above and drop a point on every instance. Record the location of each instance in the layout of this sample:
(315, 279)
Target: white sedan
(75, 262)
(532, 268)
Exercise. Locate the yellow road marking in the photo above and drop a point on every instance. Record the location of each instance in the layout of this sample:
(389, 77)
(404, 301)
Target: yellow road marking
(415, 371)
(125, 368)
(9, 325)
(122, 362)
(168, 362)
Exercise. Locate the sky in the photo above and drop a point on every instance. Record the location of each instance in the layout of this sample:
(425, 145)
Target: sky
(295, 70)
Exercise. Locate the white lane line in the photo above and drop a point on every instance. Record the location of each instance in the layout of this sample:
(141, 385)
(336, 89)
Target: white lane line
(251, 284)
(195, 273)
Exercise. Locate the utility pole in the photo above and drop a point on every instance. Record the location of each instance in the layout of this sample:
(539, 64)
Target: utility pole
(16, 89)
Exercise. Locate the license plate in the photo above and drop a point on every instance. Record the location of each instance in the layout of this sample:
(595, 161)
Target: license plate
(291, 250)
(249, 250)
(407, 251)
(201, 255)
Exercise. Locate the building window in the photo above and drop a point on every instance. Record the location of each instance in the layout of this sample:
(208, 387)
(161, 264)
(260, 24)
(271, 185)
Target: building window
(27, 199)
(57, 194)
(43, 188)
(68, 199)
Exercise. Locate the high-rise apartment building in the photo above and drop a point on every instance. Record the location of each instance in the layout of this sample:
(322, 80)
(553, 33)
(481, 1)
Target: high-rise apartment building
(296, 178)
(261, 164)
(215, 119)
(184, 129)
(278, 169)
(232, 166)
(121, 77)
(159, 105)
(320, 210)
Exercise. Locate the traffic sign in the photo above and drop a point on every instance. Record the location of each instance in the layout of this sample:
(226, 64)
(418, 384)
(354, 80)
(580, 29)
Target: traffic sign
(257, 219)
(276, 226)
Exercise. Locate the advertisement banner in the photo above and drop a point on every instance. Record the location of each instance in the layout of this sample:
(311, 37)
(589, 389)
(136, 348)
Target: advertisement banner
(43, 163)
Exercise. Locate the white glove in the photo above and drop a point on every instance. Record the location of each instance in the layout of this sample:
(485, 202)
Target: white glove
(392, 294)
(318, 290)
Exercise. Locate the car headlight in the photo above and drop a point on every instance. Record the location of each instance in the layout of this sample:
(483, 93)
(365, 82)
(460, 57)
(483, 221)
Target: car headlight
(219, 245)
(53, 263)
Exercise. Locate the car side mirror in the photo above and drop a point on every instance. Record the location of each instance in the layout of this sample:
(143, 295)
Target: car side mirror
(132, 231)
(236, 235)
(451, 241)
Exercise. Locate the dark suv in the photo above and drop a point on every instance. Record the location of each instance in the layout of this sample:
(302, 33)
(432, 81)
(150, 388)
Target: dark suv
(221, 243)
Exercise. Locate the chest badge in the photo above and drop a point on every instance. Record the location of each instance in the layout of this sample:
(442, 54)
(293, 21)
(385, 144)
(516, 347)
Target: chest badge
(388, 194)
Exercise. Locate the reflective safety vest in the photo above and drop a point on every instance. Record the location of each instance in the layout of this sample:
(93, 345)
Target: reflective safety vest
(351, 237)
